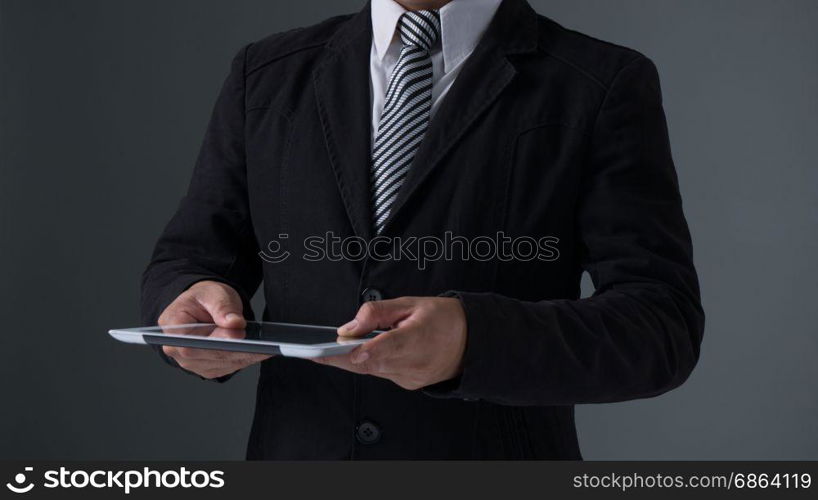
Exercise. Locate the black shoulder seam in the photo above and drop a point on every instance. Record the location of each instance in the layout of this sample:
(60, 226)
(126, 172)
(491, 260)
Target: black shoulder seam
(616, 77)
(284, 55)
(298, 40)
(598, 40)
(587, 74)
(580, 70)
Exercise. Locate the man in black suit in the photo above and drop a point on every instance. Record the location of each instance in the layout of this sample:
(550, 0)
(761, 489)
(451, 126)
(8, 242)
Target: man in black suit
(459, 123)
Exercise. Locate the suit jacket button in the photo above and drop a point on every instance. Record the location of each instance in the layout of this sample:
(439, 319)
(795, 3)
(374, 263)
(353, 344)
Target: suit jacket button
(371, 294)
(367, 433)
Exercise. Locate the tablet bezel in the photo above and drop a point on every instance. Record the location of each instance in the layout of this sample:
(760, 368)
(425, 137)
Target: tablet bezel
(291, 349)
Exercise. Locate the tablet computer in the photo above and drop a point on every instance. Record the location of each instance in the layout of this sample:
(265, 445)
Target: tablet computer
(286, 339)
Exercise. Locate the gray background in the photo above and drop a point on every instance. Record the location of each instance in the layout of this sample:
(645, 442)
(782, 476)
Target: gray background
(102, 108)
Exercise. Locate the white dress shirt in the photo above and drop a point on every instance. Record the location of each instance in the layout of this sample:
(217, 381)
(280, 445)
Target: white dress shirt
(462, 23)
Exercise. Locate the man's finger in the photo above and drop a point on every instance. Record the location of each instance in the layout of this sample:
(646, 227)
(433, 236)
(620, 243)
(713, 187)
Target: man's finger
(381, 352)
(179, 316)
(216, 356)
(212, 359)
(198, 354)
(377, 315)
(341, 361)
(382, 359)
(193, 354)
(247, 359)
(225, 308)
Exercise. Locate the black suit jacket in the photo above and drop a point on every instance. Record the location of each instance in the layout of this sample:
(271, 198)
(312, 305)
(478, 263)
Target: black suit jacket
(545, 132)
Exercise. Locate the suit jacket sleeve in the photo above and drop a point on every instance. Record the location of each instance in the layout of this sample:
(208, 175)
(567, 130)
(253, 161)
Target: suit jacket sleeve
(640, 332)
(210, 237)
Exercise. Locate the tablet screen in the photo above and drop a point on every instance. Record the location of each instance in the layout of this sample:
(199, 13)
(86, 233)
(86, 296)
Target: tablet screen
(263, 331)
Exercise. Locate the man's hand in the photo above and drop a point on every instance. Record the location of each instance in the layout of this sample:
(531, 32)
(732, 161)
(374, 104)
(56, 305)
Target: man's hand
(424, 346)
(208, 302)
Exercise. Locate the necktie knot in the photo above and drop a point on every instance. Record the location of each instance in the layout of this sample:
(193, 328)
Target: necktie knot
(420, 28)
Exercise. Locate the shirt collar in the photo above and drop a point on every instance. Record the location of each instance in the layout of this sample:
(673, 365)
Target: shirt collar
(385, 16)
(462, 23)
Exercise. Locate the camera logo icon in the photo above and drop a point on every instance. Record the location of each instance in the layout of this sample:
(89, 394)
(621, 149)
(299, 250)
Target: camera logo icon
(19, 485)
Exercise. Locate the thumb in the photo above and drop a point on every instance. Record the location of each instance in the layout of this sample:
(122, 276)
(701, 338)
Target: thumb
(224, 306)
(377, 315)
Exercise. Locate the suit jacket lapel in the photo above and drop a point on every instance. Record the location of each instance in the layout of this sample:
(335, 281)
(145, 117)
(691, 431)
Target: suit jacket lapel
(485, 74)
(342, 91)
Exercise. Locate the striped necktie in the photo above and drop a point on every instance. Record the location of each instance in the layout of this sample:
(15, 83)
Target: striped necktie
(406, 110)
